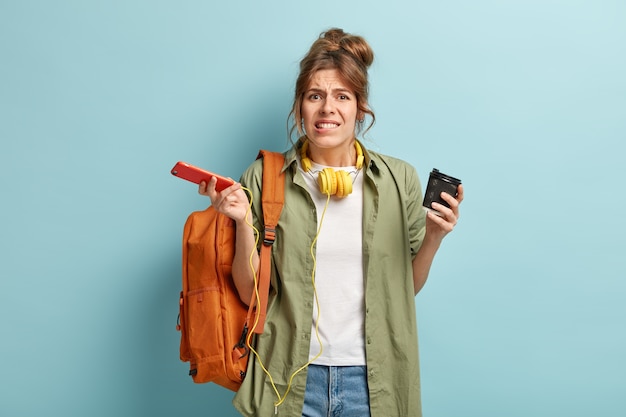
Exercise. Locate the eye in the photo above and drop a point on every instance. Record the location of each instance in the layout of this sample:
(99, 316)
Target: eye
(314, 97)
(343, 97)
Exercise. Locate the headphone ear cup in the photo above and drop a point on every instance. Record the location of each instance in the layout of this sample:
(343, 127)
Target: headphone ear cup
(344, 183)
(334, 182)
(327, 181)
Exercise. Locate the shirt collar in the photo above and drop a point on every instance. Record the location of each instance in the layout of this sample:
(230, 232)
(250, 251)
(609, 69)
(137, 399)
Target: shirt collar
(371, 159)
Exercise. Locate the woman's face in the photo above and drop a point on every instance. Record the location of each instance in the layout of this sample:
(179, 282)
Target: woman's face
(329, 111)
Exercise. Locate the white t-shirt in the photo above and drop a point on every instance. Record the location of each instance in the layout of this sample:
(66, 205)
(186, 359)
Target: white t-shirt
(339, 273)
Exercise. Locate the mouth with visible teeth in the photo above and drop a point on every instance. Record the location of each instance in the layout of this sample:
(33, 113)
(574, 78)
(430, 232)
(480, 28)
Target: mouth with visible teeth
(326, 125)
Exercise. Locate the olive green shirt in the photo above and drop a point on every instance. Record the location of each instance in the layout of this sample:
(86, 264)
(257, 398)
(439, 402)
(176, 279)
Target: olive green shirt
(393, 229)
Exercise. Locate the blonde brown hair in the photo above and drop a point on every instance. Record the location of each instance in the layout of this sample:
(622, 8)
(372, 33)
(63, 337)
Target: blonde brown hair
(351, 56)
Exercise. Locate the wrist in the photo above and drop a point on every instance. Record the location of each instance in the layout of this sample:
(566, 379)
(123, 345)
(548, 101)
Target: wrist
(246, 220)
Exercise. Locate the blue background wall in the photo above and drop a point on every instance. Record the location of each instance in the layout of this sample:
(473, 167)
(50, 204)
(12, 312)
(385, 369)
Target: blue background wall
(525, 100)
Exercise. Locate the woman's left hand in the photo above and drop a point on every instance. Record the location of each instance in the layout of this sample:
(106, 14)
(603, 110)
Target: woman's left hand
(437, 227)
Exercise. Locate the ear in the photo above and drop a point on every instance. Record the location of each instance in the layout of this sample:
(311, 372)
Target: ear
(360, 116)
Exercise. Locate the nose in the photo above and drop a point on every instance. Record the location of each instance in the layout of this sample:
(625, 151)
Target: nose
(327, 107)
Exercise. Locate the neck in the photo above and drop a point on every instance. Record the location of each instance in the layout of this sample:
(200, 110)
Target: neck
(340, 156)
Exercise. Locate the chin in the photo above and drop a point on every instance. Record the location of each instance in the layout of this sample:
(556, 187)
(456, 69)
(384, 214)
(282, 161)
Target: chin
(329, 139)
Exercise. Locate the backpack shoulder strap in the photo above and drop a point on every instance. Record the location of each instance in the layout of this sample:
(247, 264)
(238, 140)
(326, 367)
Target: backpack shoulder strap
(272, 200)
(273, 194)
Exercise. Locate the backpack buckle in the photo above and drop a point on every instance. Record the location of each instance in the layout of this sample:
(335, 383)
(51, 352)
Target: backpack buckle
(241, 346)
(269, 236)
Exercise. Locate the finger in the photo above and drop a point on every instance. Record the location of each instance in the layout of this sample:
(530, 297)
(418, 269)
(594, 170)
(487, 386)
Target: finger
(448, 214)
(459, 193)
(202, 188)
(453, 202)
(232, 188)
(211, 192)
(440, 221)
(208, 189)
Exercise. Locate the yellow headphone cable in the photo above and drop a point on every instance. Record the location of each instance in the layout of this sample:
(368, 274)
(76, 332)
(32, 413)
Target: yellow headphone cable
(282, 398)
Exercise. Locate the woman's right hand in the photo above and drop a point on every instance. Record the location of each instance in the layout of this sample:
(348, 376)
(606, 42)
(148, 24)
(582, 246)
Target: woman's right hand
(232, 201)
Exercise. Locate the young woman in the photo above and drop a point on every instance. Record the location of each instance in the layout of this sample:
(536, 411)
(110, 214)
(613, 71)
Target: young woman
(353, 248)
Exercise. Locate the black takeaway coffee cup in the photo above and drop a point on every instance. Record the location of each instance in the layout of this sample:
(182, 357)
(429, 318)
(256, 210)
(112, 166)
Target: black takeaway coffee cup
(439, 182)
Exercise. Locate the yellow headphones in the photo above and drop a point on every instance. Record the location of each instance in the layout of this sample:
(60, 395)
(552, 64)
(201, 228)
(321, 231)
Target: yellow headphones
(333, 182)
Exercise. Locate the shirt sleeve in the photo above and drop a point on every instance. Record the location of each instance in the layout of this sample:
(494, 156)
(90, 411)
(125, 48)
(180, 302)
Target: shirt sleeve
(416, 216)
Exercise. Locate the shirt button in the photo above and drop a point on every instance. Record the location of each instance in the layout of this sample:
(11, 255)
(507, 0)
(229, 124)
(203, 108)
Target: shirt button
(369, 340)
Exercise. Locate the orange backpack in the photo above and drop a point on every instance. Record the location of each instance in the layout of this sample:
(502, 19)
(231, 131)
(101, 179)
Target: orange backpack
(213, 321)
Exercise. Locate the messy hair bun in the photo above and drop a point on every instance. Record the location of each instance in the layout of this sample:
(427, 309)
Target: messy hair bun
(350, 55)
(338, 40)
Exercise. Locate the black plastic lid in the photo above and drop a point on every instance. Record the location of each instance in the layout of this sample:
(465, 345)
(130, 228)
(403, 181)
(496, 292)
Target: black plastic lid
(440, 175)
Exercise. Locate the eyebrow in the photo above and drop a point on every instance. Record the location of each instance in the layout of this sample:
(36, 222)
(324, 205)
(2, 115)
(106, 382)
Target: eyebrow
(335, 90)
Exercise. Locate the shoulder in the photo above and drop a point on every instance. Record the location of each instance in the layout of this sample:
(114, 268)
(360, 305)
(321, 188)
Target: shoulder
(397, 167)
(253, 175)
(394, 173)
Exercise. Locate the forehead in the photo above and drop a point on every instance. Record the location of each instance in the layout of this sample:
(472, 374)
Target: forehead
(328, 79)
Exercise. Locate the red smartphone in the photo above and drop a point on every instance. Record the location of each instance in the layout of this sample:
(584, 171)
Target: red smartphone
(197, 175)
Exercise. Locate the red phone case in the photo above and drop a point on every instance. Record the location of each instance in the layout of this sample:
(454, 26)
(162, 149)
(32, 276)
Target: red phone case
(197, 175)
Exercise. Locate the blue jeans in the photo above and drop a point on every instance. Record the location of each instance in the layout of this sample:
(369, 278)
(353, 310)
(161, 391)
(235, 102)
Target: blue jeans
(336, 391)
